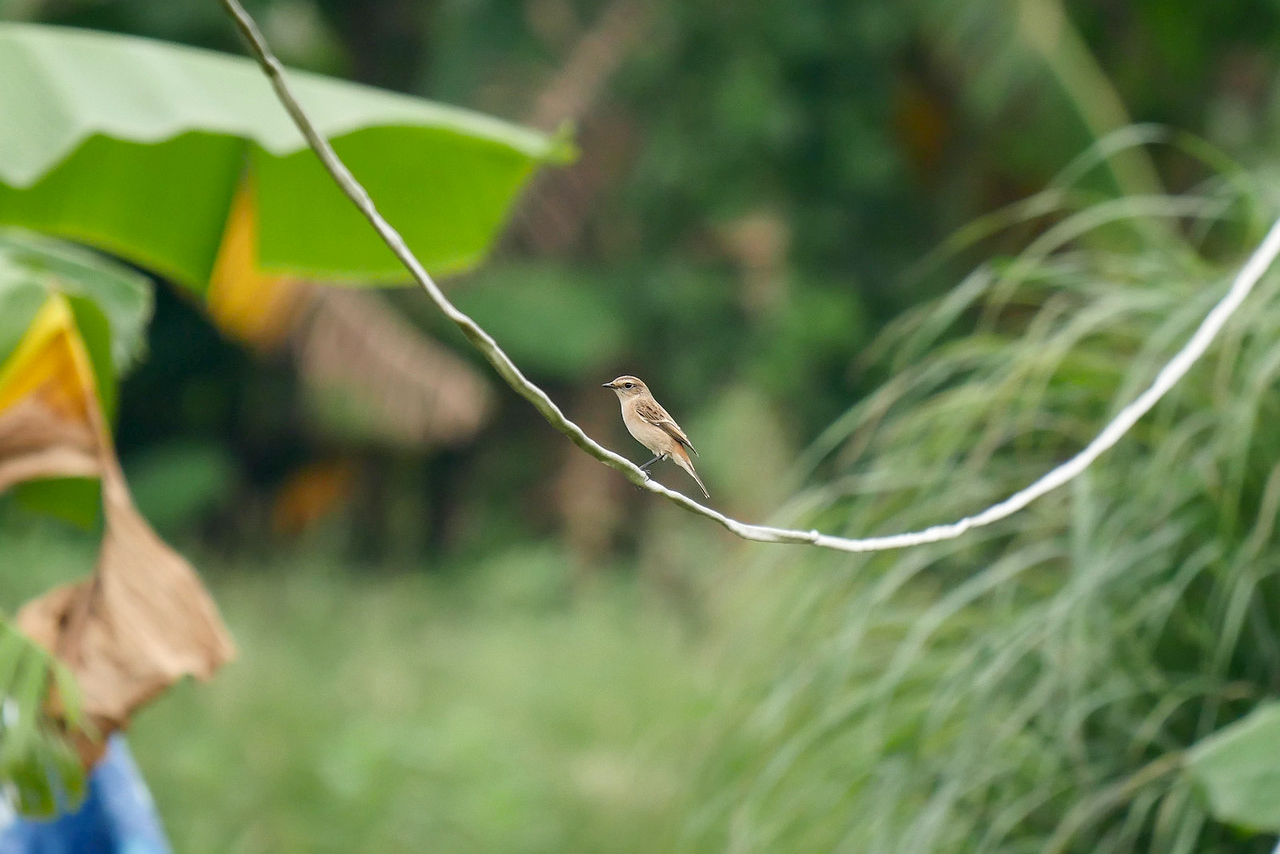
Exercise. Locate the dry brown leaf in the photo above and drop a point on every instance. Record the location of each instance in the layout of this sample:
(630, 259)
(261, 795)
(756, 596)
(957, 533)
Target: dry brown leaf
(138, 624)
(35, 442)
(142, 620)
(414, 391)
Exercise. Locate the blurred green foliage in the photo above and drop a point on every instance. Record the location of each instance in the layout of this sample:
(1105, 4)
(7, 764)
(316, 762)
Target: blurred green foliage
(554, 321)
(40, 770)
(506, 713)
(36, 763)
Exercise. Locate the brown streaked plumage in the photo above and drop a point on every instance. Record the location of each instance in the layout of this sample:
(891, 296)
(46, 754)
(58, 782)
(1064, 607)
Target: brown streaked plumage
(651, 426)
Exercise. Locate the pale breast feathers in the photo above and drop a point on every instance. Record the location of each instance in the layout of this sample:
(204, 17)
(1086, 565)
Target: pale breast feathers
(653, 413)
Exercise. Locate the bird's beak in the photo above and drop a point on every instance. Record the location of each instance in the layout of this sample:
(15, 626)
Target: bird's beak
(606, 385)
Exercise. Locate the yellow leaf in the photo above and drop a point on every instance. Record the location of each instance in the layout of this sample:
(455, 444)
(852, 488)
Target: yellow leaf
(244, 302)
(52, 363)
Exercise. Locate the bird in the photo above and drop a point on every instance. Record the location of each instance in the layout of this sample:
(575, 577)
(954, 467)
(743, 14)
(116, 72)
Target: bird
(651, 426)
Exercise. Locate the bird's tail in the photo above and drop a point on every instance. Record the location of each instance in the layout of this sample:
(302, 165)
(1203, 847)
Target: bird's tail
(682, 460)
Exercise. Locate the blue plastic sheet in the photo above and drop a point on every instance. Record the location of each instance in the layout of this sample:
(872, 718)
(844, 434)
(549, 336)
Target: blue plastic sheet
(117, 816)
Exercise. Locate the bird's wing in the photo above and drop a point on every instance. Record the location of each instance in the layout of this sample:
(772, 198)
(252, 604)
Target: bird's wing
(653, 413)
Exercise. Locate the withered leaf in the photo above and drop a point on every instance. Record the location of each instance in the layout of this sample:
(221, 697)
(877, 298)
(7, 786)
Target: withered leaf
(142, 620)
(35, 442)
(138, 624)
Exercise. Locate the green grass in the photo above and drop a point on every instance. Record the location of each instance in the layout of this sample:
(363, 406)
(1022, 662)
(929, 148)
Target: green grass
(501, 712)
(1032, 686)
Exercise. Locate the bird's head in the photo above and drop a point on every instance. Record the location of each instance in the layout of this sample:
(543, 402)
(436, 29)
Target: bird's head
(626, 386)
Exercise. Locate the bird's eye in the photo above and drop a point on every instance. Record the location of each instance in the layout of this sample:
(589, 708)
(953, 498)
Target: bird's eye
(628, 385)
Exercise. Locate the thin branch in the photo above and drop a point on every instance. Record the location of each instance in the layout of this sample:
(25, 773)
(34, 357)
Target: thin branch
(1261, 260)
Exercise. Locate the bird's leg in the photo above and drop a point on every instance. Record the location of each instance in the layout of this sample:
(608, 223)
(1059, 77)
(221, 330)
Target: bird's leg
(645, 468)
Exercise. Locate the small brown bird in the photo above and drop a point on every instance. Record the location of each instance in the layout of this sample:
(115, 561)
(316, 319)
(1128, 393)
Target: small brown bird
(651, 426)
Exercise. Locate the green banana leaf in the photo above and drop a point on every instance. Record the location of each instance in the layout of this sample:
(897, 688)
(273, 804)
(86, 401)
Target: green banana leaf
(111, 305)
(137, 147)
(1238, 770)
(33, 266)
